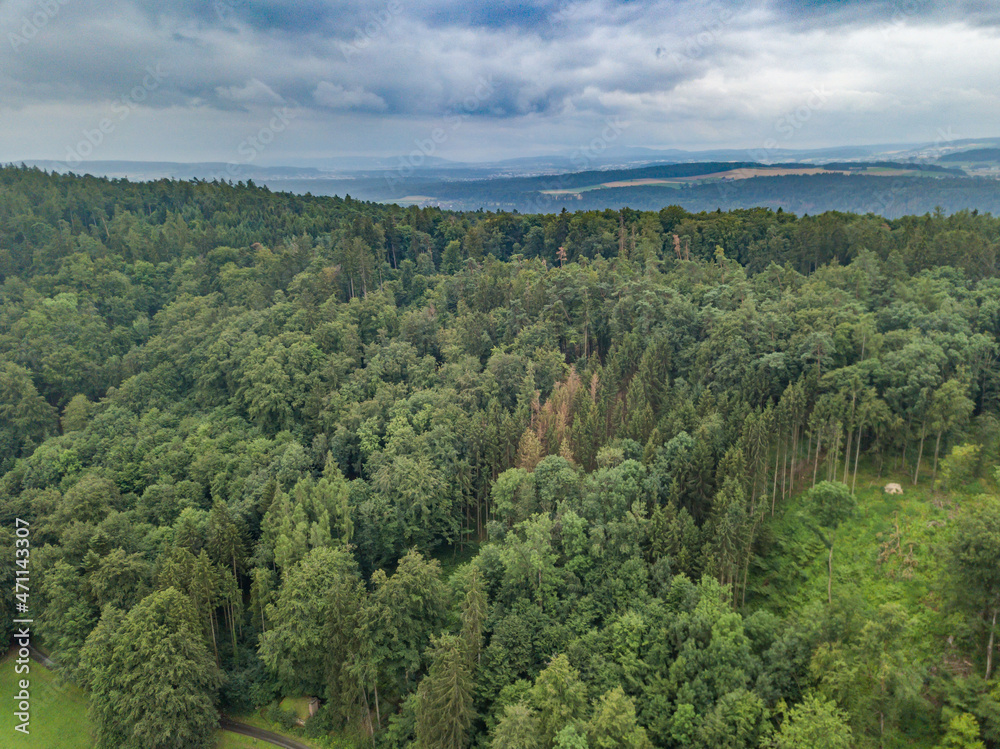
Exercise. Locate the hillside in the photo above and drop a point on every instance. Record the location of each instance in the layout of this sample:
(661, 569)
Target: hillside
(490, 479)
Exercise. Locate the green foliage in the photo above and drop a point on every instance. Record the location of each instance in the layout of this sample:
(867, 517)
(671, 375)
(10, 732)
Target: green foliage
(294, 647)
(974, 554)
(963, 733)
(814, 723)
(960, 466)
(518, 729)
(151, 677)
(333, 433)
(559, 698)
(444, 698)
(613, 724)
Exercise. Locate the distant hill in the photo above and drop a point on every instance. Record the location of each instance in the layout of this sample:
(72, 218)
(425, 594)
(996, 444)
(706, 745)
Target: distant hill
(976, 154)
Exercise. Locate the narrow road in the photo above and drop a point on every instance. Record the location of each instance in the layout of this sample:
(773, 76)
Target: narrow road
(226, 724)
(39, 656)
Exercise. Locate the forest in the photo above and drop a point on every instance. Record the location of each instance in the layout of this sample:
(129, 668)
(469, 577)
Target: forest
(891, 189)
(605, 479)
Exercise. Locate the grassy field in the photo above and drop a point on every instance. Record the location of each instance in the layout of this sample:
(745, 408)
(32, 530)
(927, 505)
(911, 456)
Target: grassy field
(889, 551)
(59, 715)
(298, 705)
(257, 720)
(58, 712)
(236, 741)
(893, 550)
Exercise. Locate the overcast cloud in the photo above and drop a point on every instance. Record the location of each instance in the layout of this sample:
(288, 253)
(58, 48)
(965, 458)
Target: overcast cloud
(182, 80)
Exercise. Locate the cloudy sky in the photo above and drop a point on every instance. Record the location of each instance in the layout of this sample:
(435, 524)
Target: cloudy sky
(294, 81)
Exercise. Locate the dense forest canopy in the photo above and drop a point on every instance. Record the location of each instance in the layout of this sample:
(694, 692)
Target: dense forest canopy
(501, 480)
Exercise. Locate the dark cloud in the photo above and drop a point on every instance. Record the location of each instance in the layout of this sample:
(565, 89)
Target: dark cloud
(684, 72)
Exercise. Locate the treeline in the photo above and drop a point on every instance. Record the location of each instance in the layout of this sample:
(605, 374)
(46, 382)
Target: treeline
(889, 196)
(247, 427)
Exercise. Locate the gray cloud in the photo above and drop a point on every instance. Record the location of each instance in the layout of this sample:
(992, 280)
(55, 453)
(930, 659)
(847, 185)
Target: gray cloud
(524, 75)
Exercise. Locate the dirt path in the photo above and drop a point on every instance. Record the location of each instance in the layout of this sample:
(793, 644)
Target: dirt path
(227, 724)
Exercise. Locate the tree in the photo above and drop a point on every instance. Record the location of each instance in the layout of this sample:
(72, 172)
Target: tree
(70, 614)
(559, 698)
(950, 407)
(153, 683)
(410, 607)
(76, 414)
(294, 648)
(25, 417)
(475, 608)
(444, 697)
(974, 554)
(816, 723)
(828, 504)
(963, 733)
(517, 729)
(613, 724)
(871, 675)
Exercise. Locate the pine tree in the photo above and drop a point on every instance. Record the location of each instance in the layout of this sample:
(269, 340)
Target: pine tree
(444, 697)
(152, 680)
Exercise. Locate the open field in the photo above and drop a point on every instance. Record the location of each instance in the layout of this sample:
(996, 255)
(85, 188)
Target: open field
(891, 552)
(59, 715)
(741, 174)
(236, 741)
(58, 711)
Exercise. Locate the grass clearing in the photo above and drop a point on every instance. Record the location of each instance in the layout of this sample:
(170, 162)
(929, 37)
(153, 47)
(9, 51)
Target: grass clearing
(892, 550)
(298, 705)
(229, 740)
(59, 715)
(58, 711)
(257, 720)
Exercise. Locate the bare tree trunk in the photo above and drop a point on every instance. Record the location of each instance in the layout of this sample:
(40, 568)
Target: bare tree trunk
(232, 631)
(920, 455)
(795, 454)
(836, 453)
(937, 448)
(808, 453)
(215, 645)
(368, 710)
(989, 648)
(784, 474)
(847, 453)
(829, 578)
(774, 485)
(857, 456)
(816, 461)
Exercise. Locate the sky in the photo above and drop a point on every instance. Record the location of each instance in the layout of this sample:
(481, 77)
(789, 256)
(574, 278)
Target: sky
(299, 81)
